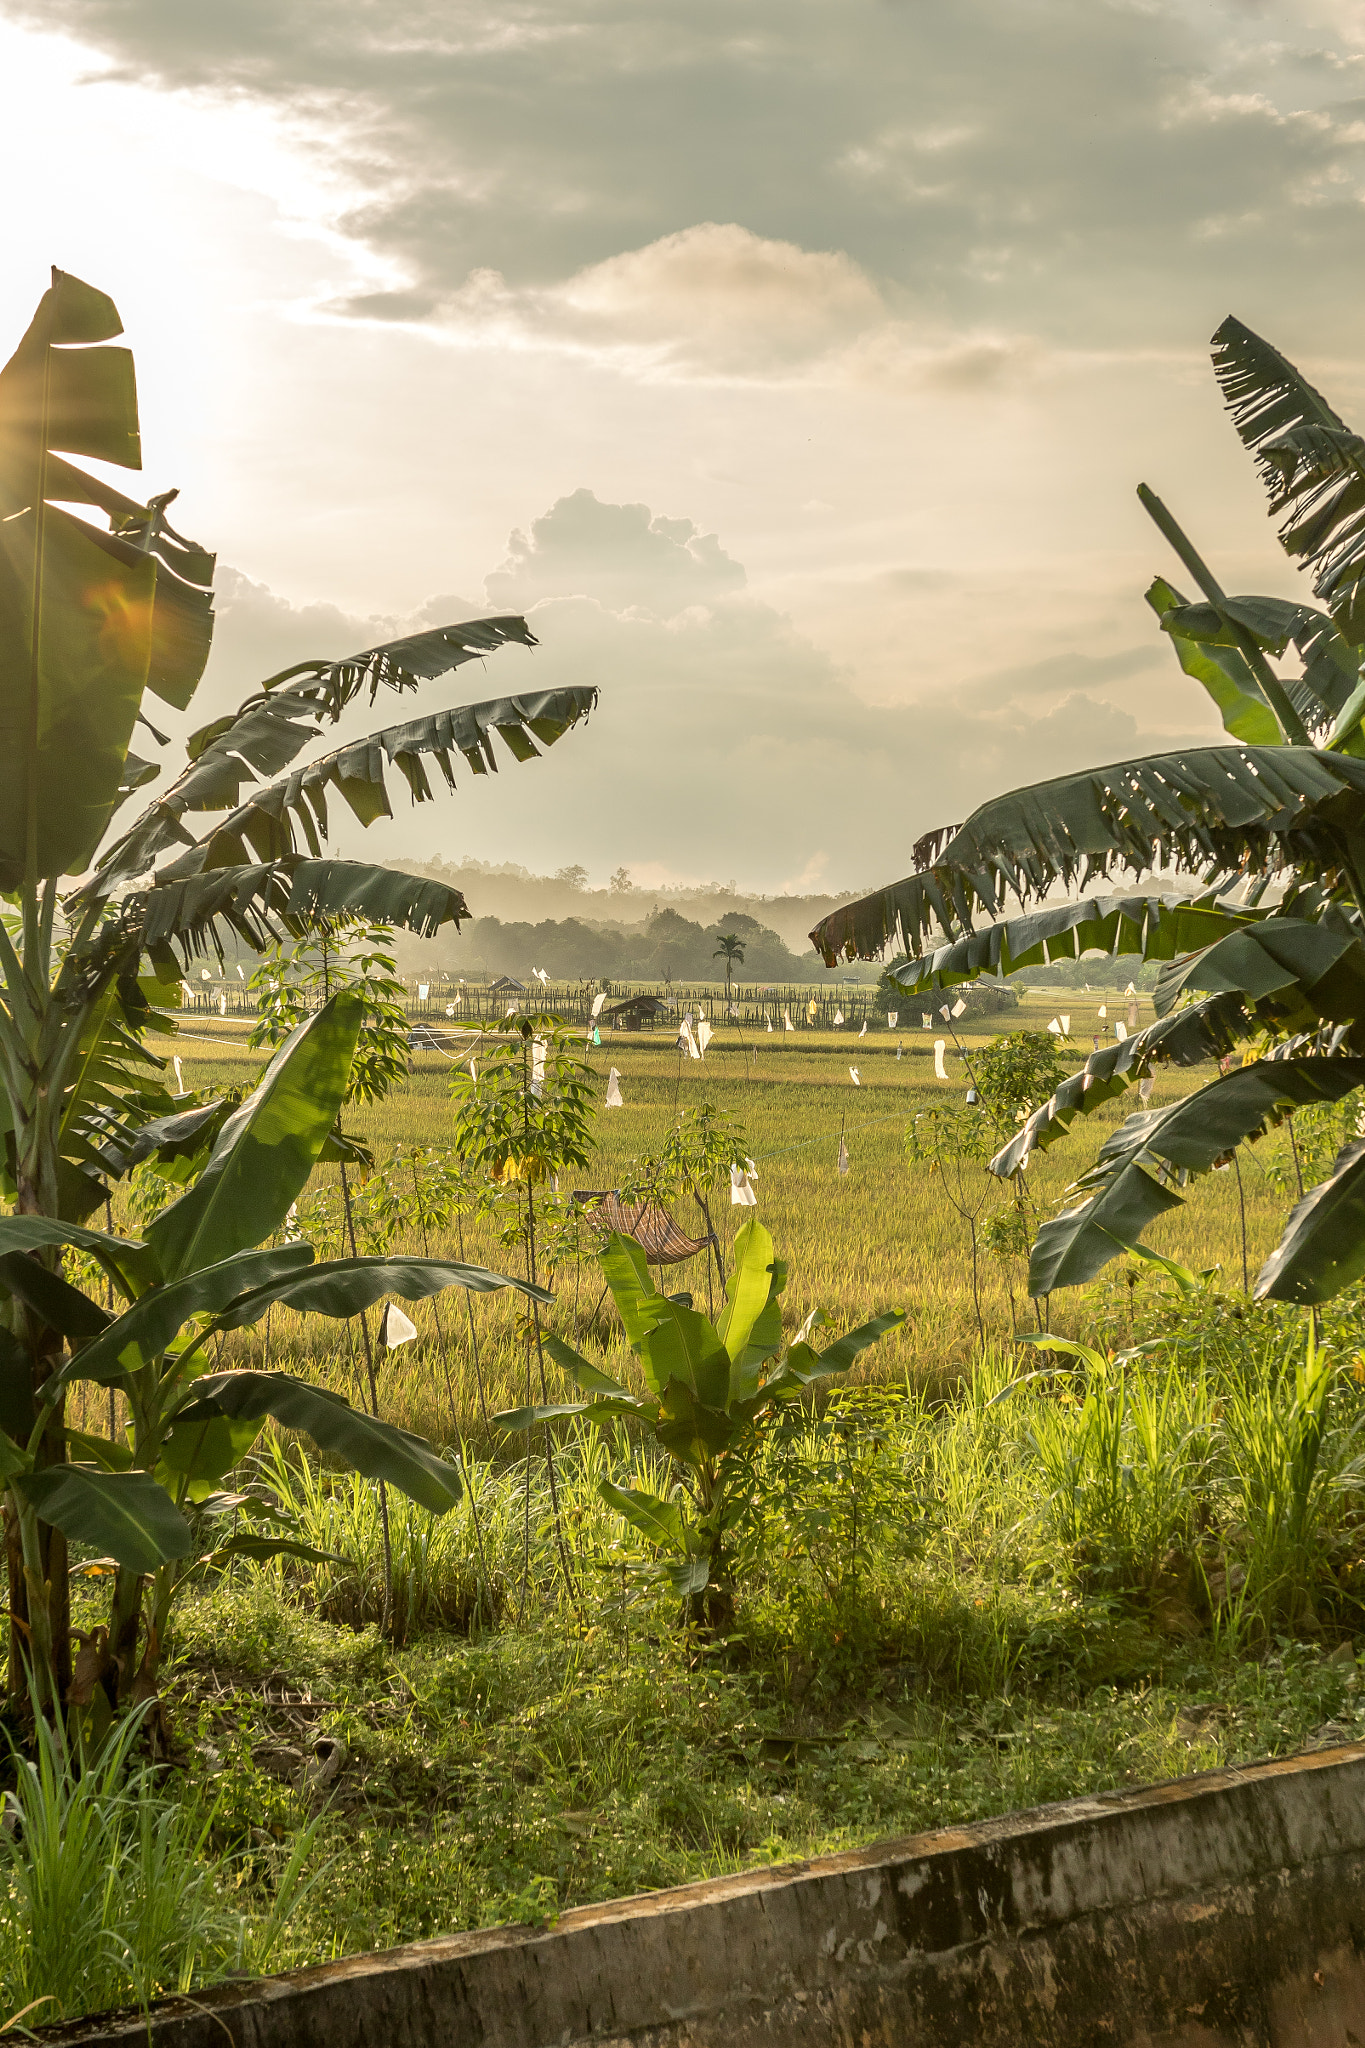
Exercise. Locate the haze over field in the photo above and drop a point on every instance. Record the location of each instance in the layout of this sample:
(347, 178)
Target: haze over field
(791, 365)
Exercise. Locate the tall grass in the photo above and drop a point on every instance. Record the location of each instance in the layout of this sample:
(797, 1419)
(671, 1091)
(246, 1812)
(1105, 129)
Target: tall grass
(110, 1894)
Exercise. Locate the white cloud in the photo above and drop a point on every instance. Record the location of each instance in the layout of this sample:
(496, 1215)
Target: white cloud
(726, 742)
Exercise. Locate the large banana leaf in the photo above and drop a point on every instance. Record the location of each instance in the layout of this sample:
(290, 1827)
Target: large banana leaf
(143, 1331)
(1144, 925)
(1191, 1136)
(267, 1148)
(1293, 974)
(1073, 1247)
(344, 1287)
(747, 1290)
(128, 1261)
(1203, 1031)
(377, 1449)
(272, 733)
(1311, 461)
(1223, 811)
(1221, 668)
(127, 1514)
(1323, 1247)
(53, 1300)
(192, 909)
(87, 619)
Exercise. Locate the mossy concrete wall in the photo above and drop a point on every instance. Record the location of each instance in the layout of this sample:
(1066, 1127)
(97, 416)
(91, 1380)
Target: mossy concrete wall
(1224, 1908)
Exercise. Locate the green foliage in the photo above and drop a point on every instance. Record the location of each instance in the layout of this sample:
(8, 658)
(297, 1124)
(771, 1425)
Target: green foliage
(111, 1895)
(299, 975)
(1285, 804)
(525, 1112)
(1016, 1073)
(713, 1391)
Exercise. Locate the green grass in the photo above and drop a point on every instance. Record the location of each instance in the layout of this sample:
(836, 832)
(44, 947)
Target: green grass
(958, 1595)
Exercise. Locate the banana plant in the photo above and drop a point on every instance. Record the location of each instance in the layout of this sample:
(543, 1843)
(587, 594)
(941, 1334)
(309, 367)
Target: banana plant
(103, 608)
(712, 1390)
(1265, 952)
(203, 1270)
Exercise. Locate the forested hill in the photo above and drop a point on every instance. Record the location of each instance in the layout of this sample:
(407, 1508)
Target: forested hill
(665, 946)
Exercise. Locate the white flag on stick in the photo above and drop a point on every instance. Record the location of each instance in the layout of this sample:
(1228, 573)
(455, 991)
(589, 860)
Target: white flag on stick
(892, 1017)
(423, 991)
(597, 1003)
(940, 1047)
(538, 1051)
(958, 1007)
(787, 1024)
(686, 1042)
(843, 1154)
(1145, 1087)
(1120, 1029)
(853, 1076)
(1066, 1025)
(863, 1032)
(838, 1017)
(703, 1036)
(1104, 1011)
(614, 1097)
(742, 1194)
(1054, 1026)
(222, 1006)
(770, 1023)
(396, 1328)
(925, 1019)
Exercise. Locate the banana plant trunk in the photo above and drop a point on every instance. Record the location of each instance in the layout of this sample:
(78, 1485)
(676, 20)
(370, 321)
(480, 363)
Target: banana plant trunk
(36, 1558)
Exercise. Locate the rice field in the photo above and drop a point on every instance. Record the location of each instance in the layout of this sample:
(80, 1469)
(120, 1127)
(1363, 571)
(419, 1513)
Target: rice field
(883, 1235)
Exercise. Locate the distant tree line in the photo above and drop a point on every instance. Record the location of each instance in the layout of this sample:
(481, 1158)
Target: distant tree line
(667, 946)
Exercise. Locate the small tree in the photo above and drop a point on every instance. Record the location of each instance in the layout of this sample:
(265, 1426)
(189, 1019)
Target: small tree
(522, 1115)
(731, 950)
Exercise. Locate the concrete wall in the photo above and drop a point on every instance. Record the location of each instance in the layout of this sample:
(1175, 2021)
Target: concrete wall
(1225, 1908)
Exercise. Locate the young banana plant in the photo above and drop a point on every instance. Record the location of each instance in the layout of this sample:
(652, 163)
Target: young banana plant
(204, 1270)
(712, 1390)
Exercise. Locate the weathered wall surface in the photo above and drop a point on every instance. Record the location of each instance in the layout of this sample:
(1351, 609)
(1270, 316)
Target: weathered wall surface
(1225, 1908)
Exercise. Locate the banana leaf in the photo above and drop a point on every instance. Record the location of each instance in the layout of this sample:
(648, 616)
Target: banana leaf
(195, 910)
(1201, 1031)
(144, 1331)
(266, 823)
(378, 1450)
(1217, 663)
(87, 619)
(126, 1514)
(1310, 460)
(344, 1287)
(1191, 1136)
(1220, 811)
(267, 1148)
(1323, 1247)
(1142, 925)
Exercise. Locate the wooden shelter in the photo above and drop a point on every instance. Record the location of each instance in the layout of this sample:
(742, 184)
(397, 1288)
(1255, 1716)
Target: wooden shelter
(633, 1012)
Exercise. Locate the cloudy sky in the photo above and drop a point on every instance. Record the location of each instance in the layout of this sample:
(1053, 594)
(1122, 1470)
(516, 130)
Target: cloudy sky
(791, 362)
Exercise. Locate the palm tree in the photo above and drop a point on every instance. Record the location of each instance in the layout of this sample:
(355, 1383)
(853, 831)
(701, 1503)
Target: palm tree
(1271, 943)
(731, 950)
(93, 622)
